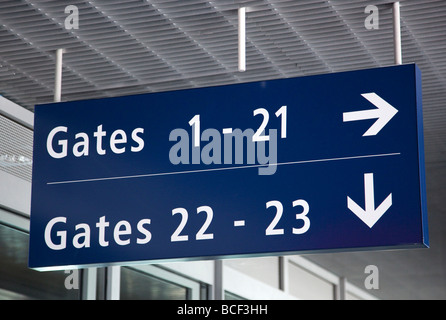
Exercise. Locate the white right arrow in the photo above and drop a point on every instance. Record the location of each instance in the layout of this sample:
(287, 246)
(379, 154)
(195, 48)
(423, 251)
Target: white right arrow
(370, 215)
(384, 113)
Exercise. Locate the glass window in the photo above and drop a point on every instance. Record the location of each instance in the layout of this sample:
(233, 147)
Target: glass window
(232, 296)
(17, 281)
(305, 285)
(351, 296)
(137, 285)
(265, 269)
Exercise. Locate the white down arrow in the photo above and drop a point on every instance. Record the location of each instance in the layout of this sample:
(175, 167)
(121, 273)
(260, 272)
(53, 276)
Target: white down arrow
(370, 215)
(384, 114)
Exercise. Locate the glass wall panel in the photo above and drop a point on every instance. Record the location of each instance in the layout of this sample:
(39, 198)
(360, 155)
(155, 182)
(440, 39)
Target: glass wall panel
(17, 281)
(265, 269)
(351, 296)
(305, 285)
(232, 296)
(137, 285)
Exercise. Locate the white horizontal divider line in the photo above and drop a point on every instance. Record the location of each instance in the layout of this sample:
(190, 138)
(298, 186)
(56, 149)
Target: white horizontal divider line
(225, 168)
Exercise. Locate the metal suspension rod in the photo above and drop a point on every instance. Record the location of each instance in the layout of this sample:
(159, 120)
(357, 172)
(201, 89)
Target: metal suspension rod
(242, 39)
(397, 33)
(58, 76)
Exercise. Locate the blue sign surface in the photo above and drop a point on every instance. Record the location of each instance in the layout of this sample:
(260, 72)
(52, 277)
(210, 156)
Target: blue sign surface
(312, 164)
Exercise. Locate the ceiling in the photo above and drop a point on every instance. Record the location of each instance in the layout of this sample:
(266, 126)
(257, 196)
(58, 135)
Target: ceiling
(139, 46)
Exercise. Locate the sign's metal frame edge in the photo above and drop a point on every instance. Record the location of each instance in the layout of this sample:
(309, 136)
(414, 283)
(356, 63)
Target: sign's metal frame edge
(421, 155)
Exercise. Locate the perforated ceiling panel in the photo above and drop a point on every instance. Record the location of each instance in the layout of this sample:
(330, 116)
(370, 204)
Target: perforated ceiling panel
(15, 149)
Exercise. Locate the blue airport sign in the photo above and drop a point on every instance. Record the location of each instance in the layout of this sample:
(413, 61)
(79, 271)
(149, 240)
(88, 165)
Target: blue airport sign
(314, 164)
